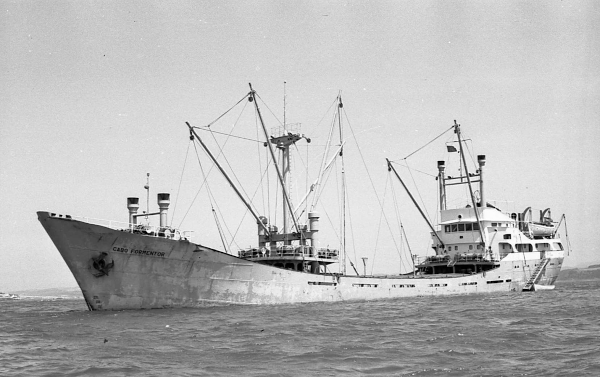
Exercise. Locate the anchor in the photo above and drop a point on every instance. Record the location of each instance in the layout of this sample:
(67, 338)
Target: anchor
(101, 265)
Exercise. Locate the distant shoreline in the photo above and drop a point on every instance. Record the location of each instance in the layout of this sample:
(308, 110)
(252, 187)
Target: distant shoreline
(580, 274)
(63, 293)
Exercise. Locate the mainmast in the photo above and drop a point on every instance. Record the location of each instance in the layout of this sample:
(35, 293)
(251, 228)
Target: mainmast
(344, 194)
(464, 162)
(288, 248)
(283, 142)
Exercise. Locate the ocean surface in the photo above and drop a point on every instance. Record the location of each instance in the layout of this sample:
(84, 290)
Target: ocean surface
(549, 333)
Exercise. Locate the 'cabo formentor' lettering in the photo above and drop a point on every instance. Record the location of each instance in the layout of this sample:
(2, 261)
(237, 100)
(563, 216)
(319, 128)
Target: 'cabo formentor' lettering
(139, 251)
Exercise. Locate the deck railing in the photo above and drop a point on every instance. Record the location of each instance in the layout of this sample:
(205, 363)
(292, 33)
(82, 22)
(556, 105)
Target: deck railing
(463, 257)
(144, 229)
(289, 251)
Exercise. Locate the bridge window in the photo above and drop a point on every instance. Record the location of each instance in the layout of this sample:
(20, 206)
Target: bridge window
(557, 246)
(524, 247)
(505, 249)
(462, 227)
(542, 246)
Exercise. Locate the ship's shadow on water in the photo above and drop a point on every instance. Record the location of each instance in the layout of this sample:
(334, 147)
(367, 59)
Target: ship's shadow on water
(541, 333)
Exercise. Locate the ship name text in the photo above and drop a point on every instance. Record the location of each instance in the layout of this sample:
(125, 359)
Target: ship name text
(151, 253)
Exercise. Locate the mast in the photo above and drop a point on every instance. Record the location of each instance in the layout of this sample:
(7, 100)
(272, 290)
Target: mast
(147, 187)
(287, 202)
(284, 97)
(442, 184)
(285, 169)
(464, 162)
(481, 161)
(344, 193)
(237, 191)
(391, 168)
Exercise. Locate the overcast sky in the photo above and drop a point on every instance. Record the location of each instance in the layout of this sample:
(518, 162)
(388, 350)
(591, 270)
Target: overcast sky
(95, 94)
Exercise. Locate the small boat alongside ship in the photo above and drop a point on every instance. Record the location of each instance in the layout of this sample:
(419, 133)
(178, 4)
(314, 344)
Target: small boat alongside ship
(477, 248)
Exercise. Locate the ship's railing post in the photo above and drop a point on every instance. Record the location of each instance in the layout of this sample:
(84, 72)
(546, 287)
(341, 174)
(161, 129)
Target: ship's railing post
(149, 230)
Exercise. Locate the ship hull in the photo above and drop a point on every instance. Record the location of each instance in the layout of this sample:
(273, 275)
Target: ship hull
(121, 270)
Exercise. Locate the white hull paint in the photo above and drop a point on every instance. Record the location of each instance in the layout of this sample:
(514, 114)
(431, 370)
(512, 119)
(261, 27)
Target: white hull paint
(540, 287)
(151, 272)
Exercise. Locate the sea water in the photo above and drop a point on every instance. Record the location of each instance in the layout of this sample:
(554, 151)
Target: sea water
(548, 333)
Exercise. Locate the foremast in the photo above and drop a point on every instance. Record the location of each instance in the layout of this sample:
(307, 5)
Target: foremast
(296, 246)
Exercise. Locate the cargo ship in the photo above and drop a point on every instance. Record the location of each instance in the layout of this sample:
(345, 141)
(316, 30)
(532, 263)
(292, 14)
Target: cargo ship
(477, 248)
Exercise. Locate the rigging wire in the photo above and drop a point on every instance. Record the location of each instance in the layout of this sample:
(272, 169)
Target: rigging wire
(222, 149)
(437, 137)
(417, 170)
(333, 103)
(268, 108)
(379, 225)
(418, 192)
(567, 236)
(221, 152)
(227, 134)
(319, 186)
(340, 207)
(197, 193)
(325, 209)
(368, 175)
(181, 180)
(363, 160)
(412, 259)
(388, 222)
(306, 179)
(260, 167)
(402, 230)
(251, 198)
(346, 256)
(332, 225)
(210, 199)
(212, 167)
(231, 108)
(268, 162)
